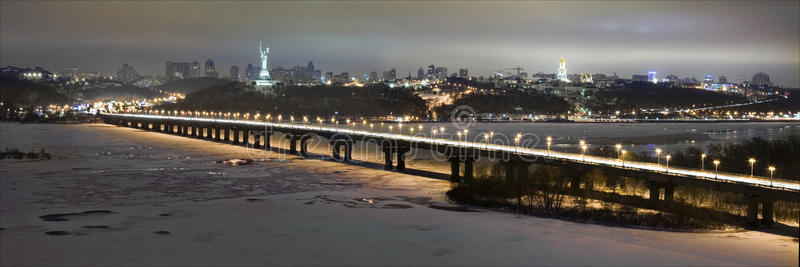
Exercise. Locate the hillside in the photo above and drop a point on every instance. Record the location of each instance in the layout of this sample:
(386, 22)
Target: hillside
(191, 85)
(24, 93)
(375, 100)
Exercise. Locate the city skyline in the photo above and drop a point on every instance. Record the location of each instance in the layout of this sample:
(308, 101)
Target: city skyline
(685, 39)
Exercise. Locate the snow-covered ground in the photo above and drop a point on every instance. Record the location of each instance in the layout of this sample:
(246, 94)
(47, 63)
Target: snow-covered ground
(167, 200)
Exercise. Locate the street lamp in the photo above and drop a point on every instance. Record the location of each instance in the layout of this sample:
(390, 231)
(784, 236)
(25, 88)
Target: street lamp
(658, 156)
(583, 147)
(623, 157)
(771, 171)
(752, 163)
(459, 136)
(668, 157)
(549, 142)
(619, 150)
(702, 161)
(716, 165)
(434, 133)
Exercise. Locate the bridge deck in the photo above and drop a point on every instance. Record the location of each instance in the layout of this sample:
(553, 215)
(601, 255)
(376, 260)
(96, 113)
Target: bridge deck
(645, 167)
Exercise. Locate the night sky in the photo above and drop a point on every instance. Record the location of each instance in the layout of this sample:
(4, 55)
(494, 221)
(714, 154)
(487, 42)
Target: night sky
(683, 38)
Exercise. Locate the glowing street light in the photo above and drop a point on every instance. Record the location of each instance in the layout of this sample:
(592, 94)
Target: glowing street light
(771, 171)
(549, 142)
(702, 161)
(716, 165)
(583, 152)
(658, 156)
(668, 157)
(619, 150)
(752, 163)
(434, 132)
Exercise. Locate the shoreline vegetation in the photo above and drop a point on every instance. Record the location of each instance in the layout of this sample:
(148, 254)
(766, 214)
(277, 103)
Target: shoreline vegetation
(595, 197)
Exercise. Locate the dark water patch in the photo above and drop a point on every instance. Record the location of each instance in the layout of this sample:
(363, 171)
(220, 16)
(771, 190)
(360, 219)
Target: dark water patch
(396, 206)
(60, 217)
(59, 232)
(252, 200)
(422, 201)
(96, 226)
(164, 215)
(161, 232)
(442, 252)
(339, 172)
(452, 208)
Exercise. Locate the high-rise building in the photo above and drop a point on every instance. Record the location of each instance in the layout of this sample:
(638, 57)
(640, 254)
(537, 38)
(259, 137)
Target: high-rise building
(723, 79)
(127, 74)
(760, 80)
(463, 72)
(310, 66)
(249, 72)
(329, 76)
(420, 74)
(441, 72)
(195, 69)
(651, 77)
(390, 75)
(709, 79)
(211, 70)
(235, 73)
(177, 70)
(431, 71)
(372, 77)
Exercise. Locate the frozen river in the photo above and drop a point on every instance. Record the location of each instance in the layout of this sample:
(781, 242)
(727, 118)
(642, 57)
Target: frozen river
(122, 196)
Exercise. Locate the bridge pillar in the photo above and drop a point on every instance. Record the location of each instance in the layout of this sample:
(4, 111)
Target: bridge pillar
(292, 142)
(304, 145)
(767, 211)
(218, 134)
(335, 147)
(468, 175)
(245, 137)
(654, 190)
(669, 192)
(184, 131)
(235, 136)
(454, 169)
(401, 157)
(267, 136)
(387, 155)
(752, 211)
(348, 150)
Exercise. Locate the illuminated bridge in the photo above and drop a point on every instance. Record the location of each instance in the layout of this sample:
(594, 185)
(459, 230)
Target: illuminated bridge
(760, 191)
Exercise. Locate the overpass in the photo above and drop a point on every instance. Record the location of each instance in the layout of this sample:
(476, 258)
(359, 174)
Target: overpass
(758, 190)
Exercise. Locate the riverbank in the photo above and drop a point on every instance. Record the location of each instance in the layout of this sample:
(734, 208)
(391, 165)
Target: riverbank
(172, 201)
